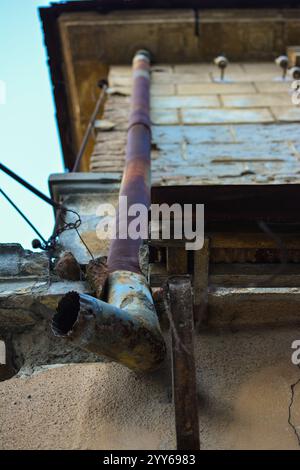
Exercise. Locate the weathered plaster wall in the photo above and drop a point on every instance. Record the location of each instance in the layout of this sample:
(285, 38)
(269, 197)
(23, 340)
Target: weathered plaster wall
(244, 388)
(244, 380)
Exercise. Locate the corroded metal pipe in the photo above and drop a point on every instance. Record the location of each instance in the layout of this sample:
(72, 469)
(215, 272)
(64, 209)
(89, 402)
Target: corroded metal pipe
(136, 182)
(128, 335)
(126, 329)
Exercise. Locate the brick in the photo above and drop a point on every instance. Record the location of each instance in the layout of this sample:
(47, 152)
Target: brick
(162, 77)
(286, 113)
(240, 152)
(231, 153)
(191, 134)
(257, 171)
(214, 88)
(256, 101)
(173, 102)
(120, 90)
(225, 116)
(120, 70)
(107, 168)
(15, 262)
(165, 116)
(248, 77)
(162, 89)
(110, 137)
(261, 68)
(262, 137)
(204, 68)
(119, 81)
(273, 87)
(102, 125)
(266, 133)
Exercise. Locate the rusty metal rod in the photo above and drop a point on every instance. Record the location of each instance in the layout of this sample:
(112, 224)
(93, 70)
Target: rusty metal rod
(183, 364)
(29, 186)
(103, 85)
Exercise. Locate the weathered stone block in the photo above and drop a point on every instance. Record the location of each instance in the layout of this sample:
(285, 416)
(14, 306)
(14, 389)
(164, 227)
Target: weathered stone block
(17, 262)
(206, 67)
(191, 134)
(165, 116)
(287, 113)
(24, 303)
(274, 86)
(259, 68)
(225, 116)
(176, 78)
(266, 133)
(238, 77)
(165, 89)
(256, 101)
(214, 88)
(172, 102)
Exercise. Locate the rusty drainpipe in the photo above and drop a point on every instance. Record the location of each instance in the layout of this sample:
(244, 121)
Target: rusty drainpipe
(126, 329)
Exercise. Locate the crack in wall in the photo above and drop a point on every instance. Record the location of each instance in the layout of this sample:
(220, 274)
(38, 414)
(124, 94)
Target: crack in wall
(292, 425)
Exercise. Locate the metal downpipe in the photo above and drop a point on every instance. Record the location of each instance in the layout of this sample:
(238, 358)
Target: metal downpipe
(126, 328)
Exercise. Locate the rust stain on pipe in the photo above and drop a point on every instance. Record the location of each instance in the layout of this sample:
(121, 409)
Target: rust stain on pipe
(125, 329)
(136, 182)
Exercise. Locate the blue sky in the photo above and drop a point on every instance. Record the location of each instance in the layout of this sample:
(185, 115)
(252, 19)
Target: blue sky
(29, 142)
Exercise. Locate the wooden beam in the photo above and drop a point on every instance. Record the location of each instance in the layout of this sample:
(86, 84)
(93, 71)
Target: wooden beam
(177, 260)
(241, 307)
(183, 364)
(254, 275)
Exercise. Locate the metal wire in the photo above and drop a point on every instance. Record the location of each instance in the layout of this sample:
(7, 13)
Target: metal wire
(59, 229)
(49, 244)
(22, 215)
(28, 186)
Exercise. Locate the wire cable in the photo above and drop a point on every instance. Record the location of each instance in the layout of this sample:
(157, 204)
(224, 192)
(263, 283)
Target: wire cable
(23, 215)
(28, 186)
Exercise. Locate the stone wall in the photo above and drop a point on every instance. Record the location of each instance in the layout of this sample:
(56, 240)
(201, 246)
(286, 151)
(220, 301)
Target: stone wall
(240, 131)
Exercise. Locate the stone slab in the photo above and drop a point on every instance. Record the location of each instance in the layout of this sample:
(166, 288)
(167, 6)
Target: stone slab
(259, 100)
(214, 88)
(173, 102)
(226, 116)
(287, 113)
